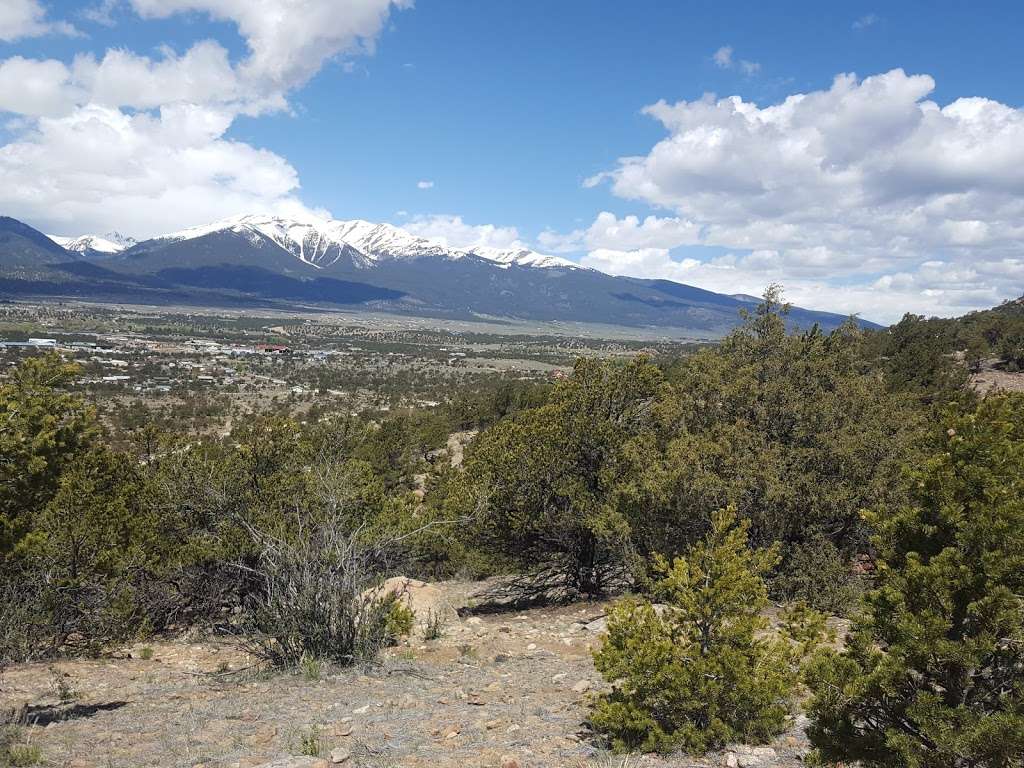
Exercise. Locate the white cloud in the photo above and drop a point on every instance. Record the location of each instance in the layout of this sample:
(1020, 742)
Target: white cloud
(864, 179)
(630, 232)
(139, 143)
(202, 75)
(33, 87)
(453, 232)
(724, 60)
(27, 18)
(558, 242)
(100, 169)
(289, 40)
(642, 262)
(101, 12)
(424, 185)
(936, 288)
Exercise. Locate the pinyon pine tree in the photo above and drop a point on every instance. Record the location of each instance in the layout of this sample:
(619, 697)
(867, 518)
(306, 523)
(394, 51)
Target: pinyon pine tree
(933, 672)
(699, 671)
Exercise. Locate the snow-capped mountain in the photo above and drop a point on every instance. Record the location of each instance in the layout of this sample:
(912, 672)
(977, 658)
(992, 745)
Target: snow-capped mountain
(95, 245)
(321, 243)
(522, 257)
(385, 241)
(314, 242)
(267, 261)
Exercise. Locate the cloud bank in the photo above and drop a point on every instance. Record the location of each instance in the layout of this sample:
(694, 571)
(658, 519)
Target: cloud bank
(139, 142)
(867, 188)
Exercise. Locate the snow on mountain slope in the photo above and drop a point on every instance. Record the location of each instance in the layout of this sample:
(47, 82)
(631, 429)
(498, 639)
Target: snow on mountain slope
(385, 241)
(322, 242)
(314, 242)
(523, 257)
(112, 242)
(311, 241)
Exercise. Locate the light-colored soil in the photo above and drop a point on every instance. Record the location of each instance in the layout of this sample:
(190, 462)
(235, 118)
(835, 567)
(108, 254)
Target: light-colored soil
(992, 379)
(493, 686)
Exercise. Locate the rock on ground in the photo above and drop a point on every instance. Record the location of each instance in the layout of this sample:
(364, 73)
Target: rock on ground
(427, 602)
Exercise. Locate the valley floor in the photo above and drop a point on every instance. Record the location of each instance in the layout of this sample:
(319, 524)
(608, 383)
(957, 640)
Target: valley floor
(499, 687)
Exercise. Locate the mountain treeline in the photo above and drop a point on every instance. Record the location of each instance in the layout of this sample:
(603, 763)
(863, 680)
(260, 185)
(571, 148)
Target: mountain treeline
(849, 472)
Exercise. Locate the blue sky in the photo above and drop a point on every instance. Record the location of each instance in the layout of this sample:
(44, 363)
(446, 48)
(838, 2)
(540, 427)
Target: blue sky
(504, 124)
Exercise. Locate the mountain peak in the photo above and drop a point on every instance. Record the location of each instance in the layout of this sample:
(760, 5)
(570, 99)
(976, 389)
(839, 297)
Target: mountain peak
(321, 242)
(110, 243)
(522, 257)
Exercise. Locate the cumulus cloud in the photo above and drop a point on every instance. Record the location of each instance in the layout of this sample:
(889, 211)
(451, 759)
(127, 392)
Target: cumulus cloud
(202, 75)
(142, 173)
(424, 185)
(453, 232)
(33, 87)
(289, 40)
(139, 142)
(865, 179)
(27, 18)
(630, 232)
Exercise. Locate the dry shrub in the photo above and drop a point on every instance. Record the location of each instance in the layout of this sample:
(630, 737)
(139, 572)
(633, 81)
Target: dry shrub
(318, 597)
(42, 615)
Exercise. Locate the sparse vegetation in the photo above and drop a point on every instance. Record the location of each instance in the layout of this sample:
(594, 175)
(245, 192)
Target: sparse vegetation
(312, 668)
(24, 755)
(310, 742)
(433, 629)
(117, 526)
(16, 751)
(61, 686)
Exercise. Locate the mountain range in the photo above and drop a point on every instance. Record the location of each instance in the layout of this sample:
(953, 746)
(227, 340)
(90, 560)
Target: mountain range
(268, 261)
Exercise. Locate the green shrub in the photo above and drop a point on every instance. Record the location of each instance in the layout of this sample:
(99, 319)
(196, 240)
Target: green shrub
(312, 668)
(698, 672)
(15, 751)
(817, 572)
(310, 743)
(24, 755)
(550, 488)
(400, 620)
(933, 672)
(434, 628)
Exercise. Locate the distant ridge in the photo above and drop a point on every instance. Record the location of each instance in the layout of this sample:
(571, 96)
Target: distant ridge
(268, 261)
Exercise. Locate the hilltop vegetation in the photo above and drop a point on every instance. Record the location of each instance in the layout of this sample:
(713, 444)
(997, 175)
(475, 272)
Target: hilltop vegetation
(848, 472)
(913, 344)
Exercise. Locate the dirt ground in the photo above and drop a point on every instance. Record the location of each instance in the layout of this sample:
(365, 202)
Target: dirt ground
(992, 379)
(506, 687)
